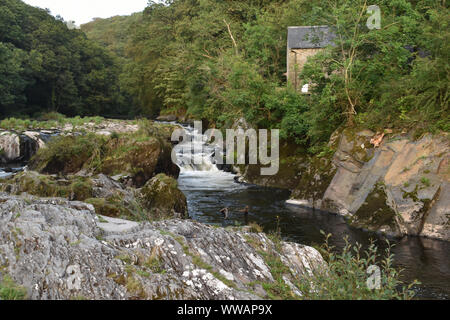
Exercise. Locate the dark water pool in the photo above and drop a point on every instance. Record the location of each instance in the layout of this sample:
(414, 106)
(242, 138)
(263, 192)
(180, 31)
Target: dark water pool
(207, 192)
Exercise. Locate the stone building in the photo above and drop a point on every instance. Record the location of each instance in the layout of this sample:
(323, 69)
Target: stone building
(304, 42)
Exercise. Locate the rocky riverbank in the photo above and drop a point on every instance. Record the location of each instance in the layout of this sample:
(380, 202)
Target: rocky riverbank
(124, 170)
(20, 142)
(60, 249)
(388, 182)
(87, 219)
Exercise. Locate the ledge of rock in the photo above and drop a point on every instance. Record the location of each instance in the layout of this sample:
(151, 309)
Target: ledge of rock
(58, 249)
(400, 187)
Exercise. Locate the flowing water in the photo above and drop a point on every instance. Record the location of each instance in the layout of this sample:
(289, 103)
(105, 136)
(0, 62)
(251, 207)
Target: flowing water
(208, 190)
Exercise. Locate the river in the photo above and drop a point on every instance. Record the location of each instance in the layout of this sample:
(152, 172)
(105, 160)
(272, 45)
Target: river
(208, 190)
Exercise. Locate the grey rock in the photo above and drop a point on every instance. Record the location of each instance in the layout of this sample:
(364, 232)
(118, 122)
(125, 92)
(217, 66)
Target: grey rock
(15, 147)
(169, 118)
(58, 249)
(413, 176)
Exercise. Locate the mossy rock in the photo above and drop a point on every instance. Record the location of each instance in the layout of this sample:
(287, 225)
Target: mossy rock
(351, 142)
(375, 214)
(135, 157)
(139, 155)
(292, 160)
(106, 208)
(162, 198)
(33, 183)
(67, 154)
(80, 189)
(315, 178)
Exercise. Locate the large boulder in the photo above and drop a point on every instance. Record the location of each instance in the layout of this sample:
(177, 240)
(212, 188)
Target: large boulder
(16, 147)
(395, 185)
(136, 157)
(162, 198)
(132, 157)
(68, 154)
(57, 249)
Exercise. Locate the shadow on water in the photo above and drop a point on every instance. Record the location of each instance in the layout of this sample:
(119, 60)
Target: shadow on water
(423, 259)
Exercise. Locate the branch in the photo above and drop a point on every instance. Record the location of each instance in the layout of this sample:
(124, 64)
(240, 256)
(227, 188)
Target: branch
(231, 36)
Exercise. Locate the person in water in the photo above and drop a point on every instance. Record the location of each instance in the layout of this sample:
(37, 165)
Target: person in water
(224, 212)
(245, 210)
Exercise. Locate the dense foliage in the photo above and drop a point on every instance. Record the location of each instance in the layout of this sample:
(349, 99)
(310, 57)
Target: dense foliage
(112, 33)
(220, 60)
(44, 66)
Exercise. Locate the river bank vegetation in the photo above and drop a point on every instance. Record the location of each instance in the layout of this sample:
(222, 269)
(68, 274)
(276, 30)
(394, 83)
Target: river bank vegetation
(220, 61)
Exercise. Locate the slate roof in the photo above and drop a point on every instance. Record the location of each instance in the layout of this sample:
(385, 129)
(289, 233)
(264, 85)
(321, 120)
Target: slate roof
(310, 37)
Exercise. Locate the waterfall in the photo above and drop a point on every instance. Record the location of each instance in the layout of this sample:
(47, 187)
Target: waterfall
(195, 154)
(198, 168)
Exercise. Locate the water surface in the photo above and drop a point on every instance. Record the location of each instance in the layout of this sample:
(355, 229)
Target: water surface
(208, 190)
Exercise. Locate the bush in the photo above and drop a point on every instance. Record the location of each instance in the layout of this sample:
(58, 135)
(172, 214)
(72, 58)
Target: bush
(347, 275)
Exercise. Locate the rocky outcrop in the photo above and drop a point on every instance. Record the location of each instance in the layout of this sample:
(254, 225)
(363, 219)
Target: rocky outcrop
(395, 185)
(136, 157)
(140, 159)
(159, 198)
(162, 197)
(168, 118)
(17, 147)
(57, 249)
(21, 144)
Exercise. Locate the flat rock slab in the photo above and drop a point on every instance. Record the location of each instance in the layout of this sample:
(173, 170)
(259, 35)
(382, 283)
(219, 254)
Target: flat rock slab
(114, 225)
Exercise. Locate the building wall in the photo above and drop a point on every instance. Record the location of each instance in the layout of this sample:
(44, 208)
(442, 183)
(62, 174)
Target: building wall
(296, 60)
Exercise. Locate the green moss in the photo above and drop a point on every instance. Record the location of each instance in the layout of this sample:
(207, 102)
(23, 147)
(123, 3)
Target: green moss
(375, 212)
(315, 178)
(138, 154)
(9, 290)
(143, 274)
(412, 195)
(105, 208)
(76, 188)
(101, 219)
(162, 198)
(124, 258)
(425, 181)
(68, 154)
(81, 189)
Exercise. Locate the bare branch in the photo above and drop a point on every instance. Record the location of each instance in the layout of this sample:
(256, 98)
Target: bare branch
(231, 36)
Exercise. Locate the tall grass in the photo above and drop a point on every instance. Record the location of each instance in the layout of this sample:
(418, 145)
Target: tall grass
(9, 290)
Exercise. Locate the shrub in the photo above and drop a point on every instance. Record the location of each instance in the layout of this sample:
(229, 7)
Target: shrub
(347, 275)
